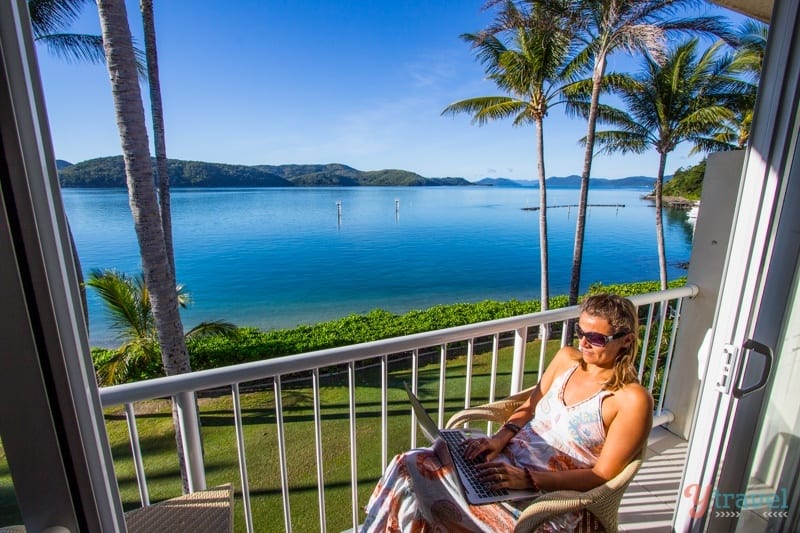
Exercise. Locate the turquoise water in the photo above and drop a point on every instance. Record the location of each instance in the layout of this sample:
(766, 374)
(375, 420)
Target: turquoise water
(275, 258)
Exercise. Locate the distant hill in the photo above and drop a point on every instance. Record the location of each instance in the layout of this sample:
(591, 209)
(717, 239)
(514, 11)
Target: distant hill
(572, 181)
(110, 172)
(502, 182)
(575, 181)
(60, 163)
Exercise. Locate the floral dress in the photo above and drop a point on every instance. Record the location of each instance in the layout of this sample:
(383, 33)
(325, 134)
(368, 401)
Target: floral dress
(420, 492)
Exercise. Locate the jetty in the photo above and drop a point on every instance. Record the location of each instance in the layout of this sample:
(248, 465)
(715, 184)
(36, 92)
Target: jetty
(673, 202)
(572, 205)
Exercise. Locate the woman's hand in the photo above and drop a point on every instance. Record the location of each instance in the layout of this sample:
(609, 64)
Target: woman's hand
(502, 475)
(482, 449)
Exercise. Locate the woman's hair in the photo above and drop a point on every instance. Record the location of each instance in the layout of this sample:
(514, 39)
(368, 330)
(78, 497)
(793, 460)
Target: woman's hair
(621, 315)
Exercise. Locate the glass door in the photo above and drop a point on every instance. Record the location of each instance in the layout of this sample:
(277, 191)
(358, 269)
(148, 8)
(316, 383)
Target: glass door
(771, 493)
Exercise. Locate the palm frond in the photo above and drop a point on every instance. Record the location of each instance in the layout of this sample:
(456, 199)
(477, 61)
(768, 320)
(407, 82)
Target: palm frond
(72, 47)
(213, 327)
(611, 141)
(52, 16)
(110, 371)
(719, 143)
(122, 297)
(486, 108)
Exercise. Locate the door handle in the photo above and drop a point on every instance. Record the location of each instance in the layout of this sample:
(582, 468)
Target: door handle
(766, 352)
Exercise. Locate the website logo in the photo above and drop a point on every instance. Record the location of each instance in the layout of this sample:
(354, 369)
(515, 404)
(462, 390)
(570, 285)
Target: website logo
(731, 504)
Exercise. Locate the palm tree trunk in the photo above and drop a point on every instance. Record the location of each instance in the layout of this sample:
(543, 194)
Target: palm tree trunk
(159, 277)
(162, 174)
(156, 110)
(662, 254)
(139, 173)
(580, 225)
(543, 249)
(544, 279)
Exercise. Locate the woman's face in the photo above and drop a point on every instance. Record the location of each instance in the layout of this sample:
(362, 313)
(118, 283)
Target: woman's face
(592, 331)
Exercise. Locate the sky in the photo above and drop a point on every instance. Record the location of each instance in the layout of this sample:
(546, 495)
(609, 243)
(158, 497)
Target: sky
(357, 82)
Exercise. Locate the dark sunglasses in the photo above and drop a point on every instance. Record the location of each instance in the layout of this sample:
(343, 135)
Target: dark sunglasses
(598, 339)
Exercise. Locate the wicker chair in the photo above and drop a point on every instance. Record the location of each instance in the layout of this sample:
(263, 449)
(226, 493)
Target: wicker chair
(202, 511)
(205, 511)
(603, 501)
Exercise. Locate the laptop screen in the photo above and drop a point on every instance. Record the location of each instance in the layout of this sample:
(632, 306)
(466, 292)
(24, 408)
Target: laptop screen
(426, 423)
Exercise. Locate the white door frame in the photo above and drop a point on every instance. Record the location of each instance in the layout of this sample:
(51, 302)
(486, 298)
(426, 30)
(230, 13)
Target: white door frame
(750, 260)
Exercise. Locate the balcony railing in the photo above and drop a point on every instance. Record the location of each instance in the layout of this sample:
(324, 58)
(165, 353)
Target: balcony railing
(433, 351)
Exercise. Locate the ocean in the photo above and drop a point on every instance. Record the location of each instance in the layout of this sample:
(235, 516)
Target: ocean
(279, 257)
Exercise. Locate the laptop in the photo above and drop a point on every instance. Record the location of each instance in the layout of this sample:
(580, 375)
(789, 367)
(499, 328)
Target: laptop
(474, 491)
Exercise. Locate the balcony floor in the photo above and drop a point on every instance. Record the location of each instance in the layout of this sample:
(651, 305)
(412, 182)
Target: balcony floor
(650, 500)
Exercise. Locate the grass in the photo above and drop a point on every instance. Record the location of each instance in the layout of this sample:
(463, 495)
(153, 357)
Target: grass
(157, 439)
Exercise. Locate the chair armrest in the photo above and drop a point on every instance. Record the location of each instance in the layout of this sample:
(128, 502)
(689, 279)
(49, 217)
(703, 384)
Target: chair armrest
(548, 505)
(602, 501)
(498, 411)
(480, 413)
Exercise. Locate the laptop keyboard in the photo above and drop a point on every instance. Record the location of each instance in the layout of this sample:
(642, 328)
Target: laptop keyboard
(469, 474)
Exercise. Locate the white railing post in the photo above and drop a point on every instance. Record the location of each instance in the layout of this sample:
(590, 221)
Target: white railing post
(239, 423)
(282, 457)
(136, 450)
(351, 385)
(318, 449)
(190, 438)
(518, 364)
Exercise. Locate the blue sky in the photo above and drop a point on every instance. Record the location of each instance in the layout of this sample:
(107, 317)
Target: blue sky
(360, 82)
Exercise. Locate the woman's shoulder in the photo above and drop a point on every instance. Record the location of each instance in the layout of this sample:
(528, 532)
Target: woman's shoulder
(566, 358)
(634, 396)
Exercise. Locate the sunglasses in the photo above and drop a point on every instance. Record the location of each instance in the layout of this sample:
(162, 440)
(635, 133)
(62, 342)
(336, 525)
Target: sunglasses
(598, 339)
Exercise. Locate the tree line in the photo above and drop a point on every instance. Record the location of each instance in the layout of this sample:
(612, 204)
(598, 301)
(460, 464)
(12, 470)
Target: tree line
(110, 172)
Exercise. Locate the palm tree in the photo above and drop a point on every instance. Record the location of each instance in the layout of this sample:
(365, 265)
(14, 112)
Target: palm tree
(746, 60)
(532, 74)
(608, 26)
(683, 99)
(158, 276)
(157, 113)
(128, 301)
(142, 196)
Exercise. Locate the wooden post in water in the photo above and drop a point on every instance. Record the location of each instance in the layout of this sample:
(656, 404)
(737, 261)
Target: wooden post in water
(339, 214)
(396, 210)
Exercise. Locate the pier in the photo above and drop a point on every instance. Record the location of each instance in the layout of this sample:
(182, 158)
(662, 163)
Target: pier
(572, 205)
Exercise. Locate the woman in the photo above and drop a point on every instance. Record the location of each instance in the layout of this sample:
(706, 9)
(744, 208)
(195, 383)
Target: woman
(584, 422)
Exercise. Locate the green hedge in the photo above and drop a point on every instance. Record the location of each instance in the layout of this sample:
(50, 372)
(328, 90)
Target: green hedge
(252, 344)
